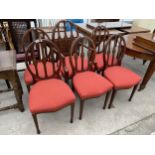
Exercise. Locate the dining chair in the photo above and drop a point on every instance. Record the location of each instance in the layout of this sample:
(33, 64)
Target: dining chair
(120, 76)
(100, 36)
(87, 83)
(29, 36)
(63, 34)
(49, 92)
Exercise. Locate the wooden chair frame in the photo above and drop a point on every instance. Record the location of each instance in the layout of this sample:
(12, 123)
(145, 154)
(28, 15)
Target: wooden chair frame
(49, 52)
(100, 36)
(78, 46)
(63, 38)
(116, 46)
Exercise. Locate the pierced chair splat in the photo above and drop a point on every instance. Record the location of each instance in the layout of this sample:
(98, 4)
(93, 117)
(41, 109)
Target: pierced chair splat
(30, 36)
(100, 36)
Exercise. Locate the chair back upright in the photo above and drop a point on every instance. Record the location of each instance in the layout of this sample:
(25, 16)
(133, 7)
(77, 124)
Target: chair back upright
(63, 35)
(49, 62)
(82, 54)
(114, 49)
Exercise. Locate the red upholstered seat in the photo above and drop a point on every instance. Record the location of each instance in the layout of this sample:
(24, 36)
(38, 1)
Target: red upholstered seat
(89, 84)
(79, 63)
(121, 77)
(100, 62)
(28, 77)
(50, 96)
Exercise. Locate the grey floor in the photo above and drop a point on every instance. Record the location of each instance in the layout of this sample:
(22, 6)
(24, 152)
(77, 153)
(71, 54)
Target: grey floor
(136, 117)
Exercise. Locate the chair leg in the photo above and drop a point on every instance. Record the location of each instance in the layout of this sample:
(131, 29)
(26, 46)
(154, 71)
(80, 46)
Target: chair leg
(106, 99)
(73, 87)
(81, 109)
(144, 61)
(112, 98)
(8, 84)
(28, 88)
(133, 91)
(36, 123)
(72, 113)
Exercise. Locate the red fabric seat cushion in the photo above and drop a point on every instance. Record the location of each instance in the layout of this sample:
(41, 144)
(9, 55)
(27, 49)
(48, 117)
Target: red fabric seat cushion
(90, 84)
(49, 96)
(28, 77)
(121, 77)
(79, 65)
(100, 61)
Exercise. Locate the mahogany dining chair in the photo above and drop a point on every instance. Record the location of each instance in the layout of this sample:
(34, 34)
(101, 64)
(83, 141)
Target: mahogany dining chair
(121, 77)
(100, 36)
(49, 93)
(85, 81)
(63, 34)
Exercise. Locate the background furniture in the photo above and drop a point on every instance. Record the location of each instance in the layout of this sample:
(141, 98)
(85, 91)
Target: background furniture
(17, 27)
(8, 72)
(63, 37)
(82, 28)
(137, 52)
(104, 20)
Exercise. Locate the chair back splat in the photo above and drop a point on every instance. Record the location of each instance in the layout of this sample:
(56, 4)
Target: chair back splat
(49, 61)
(63, 35)
(100, 35)
(82, 54)
(115, 49)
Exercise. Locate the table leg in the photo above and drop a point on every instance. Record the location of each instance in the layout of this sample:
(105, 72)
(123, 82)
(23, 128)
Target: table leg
(18, 90)
(148, 74)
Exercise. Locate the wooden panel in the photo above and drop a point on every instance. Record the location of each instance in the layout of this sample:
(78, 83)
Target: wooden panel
(7, 60)
(145, 42)
(110, 25)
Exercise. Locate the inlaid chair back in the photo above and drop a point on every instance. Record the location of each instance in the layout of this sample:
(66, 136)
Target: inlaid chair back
(31, 35)
(49, 61)
(63, 35)
(115, 49)
(82, 54)
(100, 35)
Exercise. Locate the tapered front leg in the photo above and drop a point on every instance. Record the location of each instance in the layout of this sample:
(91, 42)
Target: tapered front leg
(112, 98)
(36, 123)
(81, 109)
(106, 99)
(72, 113)
(133, 92)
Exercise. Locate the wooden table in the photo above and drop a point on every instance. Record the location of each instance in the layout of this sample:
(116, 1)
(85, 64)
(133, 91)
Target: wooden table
(8, 72)
(88, 31)
(135, 51)
(111, 25)
(134, 29)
